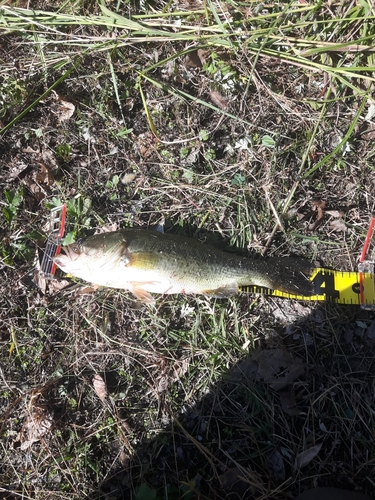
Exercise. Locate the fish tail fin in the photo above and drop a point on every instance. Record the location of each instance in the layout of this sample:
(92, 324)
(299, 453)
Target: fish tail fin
(290, 275)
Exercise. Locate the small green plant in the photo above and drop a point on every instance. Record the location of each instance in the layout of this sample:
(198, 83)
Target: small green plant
(204, 135)
(184, 151)
(113, 183)
(216, 65)
(34, 132)
(268, 141)
(13, 200)
(12, 93)
(64, 151)
(238, 180)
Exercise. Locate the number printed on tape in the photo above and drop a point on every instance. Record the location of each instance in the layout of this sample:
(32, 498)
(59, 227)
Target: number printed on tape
(333, 286)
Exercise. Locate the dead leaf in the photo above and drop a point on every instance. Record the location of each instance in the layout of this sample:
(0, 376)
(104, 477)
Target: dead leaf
(39, 182)
(232, 484)
(278, 368)
(319, 206)
(37, 424)
(202, 54)
(43, 176)
(327, 493)
(99, 387)
(306, 456)
(288, 401)
(108, 227)
(170, 374)
(338, 225)
(196, 58)
(128, 178)
(275, 466)
(124, 460)
(367, 131)
(57, 285)
(218, 99)
(246, 369)
(38, 276)
(65, 111)
(180, 367)
(335, 213)
(192, 60)
(370, 332)
(16, 168)
(163, 384)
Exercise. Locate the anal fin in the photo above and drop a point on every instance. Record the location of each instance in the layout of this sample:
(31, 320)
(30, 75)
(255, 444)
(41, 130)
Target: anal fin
(223, 292)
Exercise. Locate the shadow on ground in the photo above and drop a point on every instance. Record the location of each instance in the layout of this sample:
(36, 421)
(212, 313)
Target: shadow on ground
(284, 420)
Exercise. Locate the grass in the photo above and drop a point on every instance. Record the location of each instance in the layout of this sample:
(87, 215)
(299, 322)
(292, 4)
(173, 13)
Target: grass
(224, 121)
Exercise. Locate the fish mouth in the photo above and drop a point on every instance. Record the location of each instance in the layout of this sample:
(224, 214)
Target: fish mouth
(72, 252)
(67, 254)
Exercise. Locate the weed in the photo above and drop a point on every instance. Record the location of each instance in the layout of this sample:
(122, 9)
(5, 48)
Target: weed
(12, 202)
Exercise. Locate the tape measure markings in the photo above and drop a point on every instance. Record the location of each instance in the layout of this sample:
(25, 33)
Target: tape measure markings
(340, 287)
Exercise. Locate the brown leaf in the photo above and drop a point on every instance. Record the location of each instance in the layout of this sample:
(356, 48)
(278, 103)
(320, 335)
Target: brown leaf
(306, 456)
(233, 485)
(327, 493)
(38, 275)
(338, 225)
(319, 206)
(288, 401)
(37, 424)
(192, 60)
(16, 168)
(128, 178)
(99, 386)
(335, 213)
(196, 58)
(218, 99)
(39, 181)
(57, 285)
(180, 367)
(202, 54)
(246, 369)
(279, 368)
(275, 466)
(65, 110)
(44, 175)
(367, 131)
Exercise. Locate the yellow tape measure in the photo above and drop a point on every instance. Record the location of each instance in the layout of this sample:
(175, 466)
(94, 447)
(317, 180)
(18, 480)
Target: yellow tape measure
(338, 286)
(333, 286)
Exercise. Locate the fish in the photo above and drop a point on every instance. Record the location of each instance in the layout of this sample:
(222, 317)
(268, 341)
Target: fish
(146, 262)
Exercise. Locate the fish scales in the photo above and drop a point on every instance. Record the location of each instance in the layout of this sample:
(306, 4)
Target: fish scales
(145, 261)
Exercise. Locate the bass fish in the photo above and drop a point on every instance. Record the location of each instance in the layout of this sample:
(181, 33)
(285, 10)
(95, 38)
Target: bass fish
(145, 262)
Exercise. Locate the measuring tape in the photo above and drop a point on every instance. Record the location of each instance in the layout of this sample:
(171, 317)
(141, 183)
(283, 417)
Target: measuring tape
(53, 245)
(332, 286)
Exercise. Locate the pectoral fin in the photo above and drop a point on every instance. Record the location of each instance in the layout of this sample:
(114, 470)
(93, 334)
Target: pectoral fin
(141, 294)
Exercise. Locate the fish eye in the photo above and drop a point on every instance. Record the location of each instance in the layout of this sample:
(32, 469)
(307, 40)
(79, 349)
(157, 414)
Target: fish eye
(76, 246)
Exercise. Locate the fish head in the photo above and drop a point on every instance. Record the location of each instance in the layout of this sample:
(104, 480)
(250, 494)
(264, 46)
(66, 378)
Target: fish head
(71, 257)
(87, 257)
